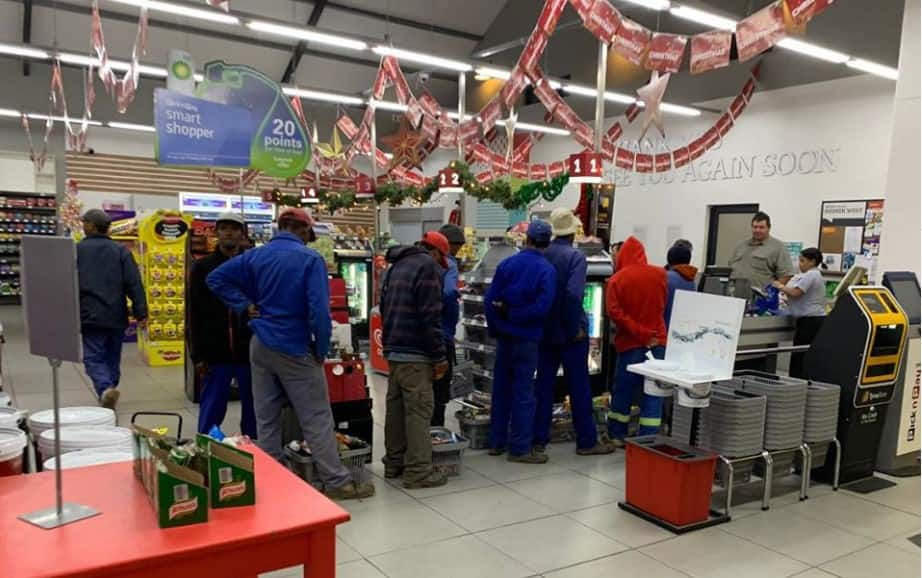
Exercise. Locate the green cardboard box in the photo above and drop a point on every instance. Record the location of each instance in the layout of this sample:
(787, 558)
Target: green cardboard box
(231, 478)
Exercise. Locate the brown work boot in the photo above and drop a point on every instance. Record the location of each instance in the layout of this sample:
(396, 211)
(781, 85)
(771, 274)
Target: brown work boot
(351, 491)
(109, 398)
(435, 479)
(391, 473)
(599, 449)
(529, 458)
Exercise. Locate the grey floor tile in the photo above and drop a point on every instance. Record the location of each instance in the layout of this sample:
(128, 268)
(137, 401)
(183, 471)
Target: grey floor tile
(345, 552)
(551, 543)
(619, 525)
(814, 573)
(631, 563)
(903, 541)
(468, 479)
(358, 569)
(500, 470)
(379, 530)
(567, 492)
(856, 515)
(878, 560)
(608, 470)
(464, 557)
(904, 496)
(487, 508)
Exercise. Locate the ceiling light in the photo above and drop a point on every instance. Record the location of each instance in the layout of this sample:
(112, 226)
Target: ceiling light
(702, 17)
(591, 92)
(421, 58)
(873, 68)
(323, 96)
(490, 72)
(538, 128)
(652, 4)
(79, 59)
(131, 126)
(117, 65)
(481, 77)
(36, 116)
(26, 51)
(454, 115)
(10, 112)
(679, 109)
(813, 50)
(184, 10)
(306, 34)
(388, 105)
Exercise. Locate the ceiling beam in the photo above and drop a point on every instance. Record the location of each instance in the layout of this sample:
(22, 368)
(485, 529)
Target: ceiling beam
(26, 32)
(295, 59)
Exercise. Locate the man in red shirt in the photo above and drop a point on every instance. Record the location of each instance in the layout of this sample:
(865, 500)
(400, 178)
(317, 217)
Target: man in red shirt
(635, 300)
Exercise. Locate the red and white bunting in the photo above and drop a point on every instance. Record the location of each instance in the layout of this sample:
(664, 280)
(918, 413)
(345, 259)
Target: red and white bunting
(643, 163)
(490, 114)
(759, 32)
(414, 112)
(533, 50)
(710, 50)
(662, 162)
(802, 11)
(603, 21)
(632, 41)
(680, 157)
(513, 88)
(550, 15)
(624, 159)
(666, 52)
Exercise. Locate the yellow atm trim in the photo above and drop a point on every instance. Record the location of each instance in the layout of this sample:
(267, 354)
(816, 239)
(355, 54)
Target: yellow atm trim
(877, 320)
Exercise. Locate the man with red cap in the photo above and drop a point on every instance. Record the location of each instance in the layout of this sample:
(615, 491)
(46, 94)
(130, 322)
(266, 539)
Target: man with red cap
(284, 289)
(411, 312)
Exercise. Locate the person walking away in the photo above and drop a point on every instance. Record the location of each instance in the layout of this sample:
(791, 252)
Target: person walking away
(806, 293)
(219, 338)
(414, 346)
(566, 341)
(680, 274)
(451, 313)
(635, 300)
(517, 305)
(108, 276)
(283, 287)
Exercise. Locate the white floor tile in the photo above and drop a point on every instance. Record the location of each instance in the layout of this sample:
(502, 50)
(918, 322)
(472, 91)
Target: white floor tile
(878, 560)
(388, 528)
(567, 492)
(468, 479)
(619, 525)
(345, 552)
(293, 572)
(487, 508)
(358, 569)
(814, 573)
(385, 496)
(551, 543)
(464, 557)
(904, 496)
(499, 470)
(604, 469)
(799, 537)
(903, 542)
(631, 563)
(856, 515)
(713, 553)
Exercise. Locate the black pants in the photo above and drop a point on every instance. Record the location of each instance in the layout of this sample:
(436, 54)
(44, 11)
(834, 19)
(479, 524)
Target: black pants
(442, 388)
(805, 330)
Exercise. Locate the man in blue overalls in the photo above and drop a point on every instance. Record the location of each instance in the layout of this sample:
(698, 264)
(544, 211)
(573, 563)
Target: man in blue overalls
(517, 307)
(566, 341)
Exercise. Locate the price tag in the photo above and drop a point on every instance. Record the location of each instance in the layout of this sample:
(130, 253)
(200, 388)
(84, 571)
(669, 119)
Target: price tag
(364, 187)
(585, 167)
(450, 181)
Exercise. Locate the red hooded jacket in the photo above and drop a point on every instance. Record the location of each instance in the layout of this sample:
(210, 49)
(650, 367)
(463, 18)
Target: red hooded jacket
(635, 299)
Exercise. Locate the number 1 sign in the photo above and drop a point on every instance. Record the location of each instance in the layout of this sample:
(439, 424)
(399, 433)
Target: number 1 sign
(585, 168)
(450, 181)
(364, 187)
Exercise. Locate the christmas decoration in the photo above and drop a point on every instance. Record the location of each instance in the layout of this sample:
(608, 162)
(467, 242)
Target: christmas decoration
(122, 90)
(405, 147)
(71, 211)
(760, 31)
(710, 50)
(333, 153)
(651, 95)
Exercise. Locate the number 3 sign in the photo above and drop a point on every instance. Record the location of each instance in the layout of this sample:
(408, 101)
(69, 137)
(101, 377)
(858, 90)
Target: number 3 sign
(450, 181)
(585, 168)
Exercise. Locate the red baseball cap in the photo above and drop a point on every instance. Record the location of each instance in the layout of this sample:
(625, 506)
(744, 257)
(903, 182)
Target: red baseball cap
(299, 215)
(440, 242)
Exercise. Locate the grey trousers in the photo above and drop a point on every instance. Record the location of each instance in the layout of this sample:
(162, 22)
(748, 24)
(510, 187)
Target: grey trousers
(406, 425)
(279, 376)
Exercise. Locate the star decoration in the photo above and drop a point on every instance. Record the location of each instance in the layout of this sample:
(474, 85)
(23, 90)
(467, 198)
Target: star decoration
(510, 133)
(651, 95)
(332, 151)
(405, 146)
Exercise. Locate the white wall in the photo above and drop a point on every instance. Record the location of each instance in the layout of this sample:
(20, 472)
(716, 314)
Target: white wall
(837, 131)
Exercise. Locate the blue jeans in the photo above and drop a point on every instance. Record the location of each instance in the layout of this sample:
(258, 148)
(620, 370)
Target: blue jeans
(216, 388)
(102, 356)
(627, 385)
(574, 356)
(512, 411)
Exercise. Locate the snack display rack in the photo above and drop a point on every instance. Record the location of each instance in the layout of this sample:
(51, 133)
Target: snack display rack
(21, 214)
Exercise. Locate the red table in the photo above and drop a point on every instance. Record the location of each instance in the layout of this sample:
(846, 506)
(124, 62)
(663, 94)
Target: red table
(290, 524)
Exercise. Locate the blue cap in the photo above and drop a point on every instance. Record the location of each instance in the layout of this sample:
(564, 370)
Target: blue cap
(539, 231)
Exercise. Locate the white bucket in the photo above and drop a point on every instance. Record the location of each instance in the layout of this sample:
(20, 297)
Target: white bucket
(700, 396)
(657, 388)
(71, 416)
(77, 438)
(90, 457)
(10, 417)
(12, 445)
(5, 400)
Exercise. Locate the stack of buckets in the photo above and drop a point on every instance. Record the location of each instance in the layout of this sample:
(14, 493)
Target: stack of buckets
(13, 440)
(87, 431)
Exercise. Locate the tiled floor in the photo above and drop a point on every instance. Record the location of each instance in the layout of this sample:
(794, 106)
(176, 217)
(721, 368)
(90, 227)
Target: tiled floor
(560, 520)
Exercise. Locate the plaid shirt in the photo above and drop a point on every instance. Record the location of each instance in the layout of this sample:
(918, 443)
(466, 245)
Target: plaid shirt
(411, 305)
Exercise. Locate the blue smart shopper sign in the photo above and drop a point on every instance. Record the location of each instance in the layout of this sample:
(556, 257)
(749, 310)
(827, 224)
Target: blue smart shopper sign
(192, 131)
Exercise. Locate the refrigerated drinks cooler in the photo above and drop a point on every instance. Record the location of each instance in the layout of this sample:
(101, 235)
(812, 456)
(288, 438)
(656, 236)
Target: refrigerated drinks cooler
(354, 264)
(599, 269)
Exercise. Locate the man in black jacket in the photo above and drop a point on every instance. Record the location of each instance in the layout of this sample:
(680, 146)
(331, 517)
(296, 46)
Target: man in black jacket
(108, 275)
(219, 339)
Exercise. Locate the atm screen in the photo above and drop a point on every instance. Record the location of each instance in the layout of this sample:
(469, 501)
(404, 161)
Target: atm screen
(906, 292)
(873, 303)
(887, 340)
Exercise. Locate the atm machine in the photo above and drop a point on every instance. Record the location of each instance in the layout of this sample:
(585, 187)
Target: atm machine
(898, 454)
(860, 348)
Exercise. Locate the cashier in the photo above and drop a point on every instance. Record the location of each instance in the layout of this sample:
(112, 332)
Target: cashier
(761, 259)
(806, 294)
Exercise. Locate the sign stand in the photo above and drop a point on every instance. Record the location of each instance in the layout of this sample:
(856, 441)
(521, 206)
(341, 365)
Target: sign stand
(51, 299)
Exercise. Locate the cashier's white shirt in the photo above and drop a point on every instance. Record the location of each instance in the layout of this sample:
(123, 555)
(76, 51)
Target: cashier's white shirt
(813, 302)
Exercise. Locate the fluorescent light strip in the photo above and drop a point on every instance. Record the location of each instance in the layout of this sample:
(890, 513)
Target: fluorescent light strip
(702, 17)
(813, 50)
(679, 109)
(36, 116)
(388, 105)
(491, 72)
(421, 58)
(306, 34)
(873, 68)
(526, 126)
(10, 112)
(184, 10)
(24, 51)
(131, 126)
(591, 92)
(652, 4)
(323, 96)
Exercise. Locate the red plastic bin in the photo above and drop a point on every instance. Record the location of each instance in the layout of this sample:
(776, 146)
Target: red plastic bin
(669, 480)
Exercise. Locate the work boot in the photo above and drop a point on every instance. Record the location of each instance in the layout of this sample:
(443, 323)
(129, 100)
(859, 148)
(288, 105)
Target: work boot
(351, 491)
(599, 449)
(391, 473)
(435, 479)
(529, 458)
(496, 451)
(109, 398)
(539, 448)
(617, 442)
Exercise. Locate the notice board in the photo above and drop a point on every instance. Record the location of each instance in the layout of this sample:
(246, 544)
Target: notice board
(850, 233)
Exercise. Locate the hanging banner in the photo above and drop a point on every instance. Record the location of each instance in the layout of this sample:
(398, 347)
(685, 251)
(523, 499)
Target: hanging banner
(603, 21)
(196, 132)
(550, 15)
(490, 114)
(666, 52)
(710, 50)
(643, 163)
(513, 87)
(804, 10)
(662, 162)
(632, 41)
(760, 31)
(624, 159)
(533, 50)
(280, 145)
(680, 157)
(180, 72)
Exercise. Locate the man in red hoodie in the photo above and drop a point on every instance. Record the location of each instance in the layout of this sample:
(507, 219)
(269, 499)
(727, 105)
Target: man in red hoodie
(635, 300)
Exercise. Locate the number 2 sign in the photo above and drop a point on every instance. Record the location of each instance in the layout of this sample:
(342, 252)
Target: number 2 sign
(585, 168)
(450, 181)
